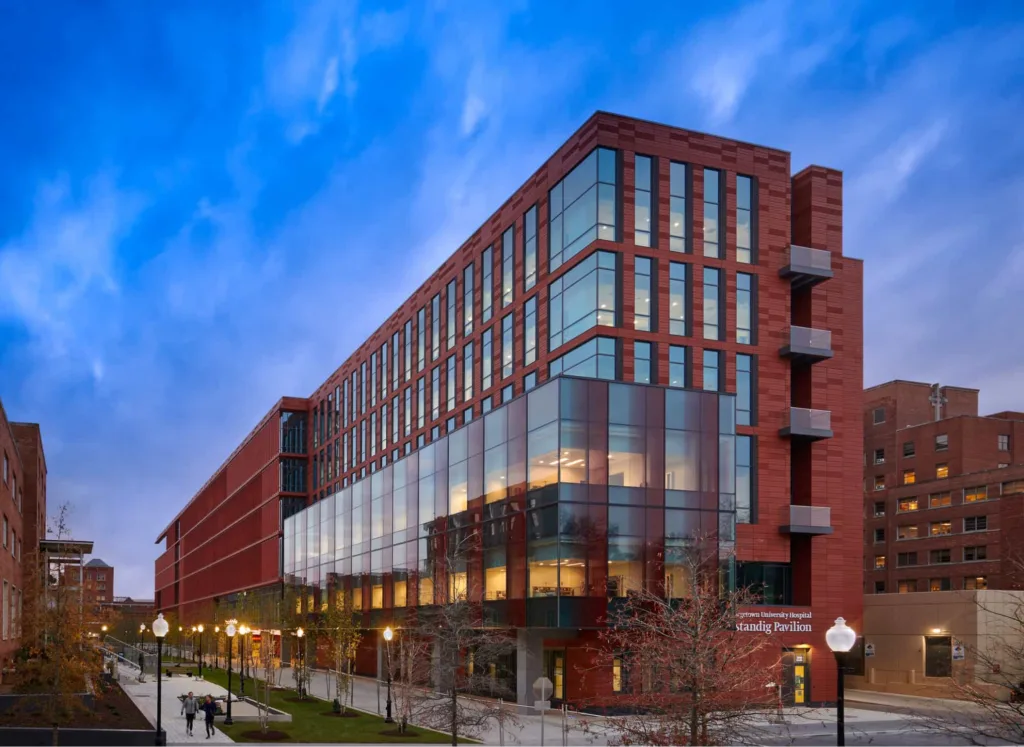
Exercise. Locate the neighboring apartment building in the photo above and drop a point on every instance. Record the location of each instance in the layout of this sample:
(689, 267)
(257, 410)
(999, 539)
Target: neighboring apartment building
(97, 586)
(638, 253)
(943, 490)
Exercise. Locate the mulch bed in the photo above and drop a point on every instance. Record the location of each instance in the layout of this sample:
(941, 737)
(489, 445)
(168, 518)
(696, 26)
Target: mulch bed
(346, 714)
(267, 736)
(114, 710)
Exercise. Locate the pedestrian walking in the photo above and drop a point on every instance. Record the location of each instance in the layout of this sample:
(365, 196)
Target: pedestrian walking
(210, 709)
(142, 662)
(190, 706)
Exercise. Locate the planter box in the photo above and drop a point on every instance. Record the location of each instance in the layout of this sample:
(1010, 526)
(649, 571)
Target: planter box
(77, 737)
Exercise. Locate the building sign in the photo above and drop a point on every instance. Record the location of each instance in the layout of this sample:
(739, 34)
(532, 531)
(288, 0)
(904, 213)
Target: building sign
(869, 649)
(770, 621)
(958, 651)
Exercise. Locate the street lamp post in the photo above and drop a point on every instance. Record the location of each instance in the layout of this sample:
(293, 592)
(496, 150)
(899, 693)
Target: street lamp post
(193, 643)
(141, 637)
(243, 629)
(388, 635)
(216, 637)
(230, 632)
(199, 629)
(180, 657)
(840, 638)
(159, 631)
(302, 672)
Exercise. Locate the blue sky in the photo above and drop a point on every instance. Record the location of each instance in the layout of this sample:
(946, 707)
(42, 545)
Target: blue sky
(205, 206)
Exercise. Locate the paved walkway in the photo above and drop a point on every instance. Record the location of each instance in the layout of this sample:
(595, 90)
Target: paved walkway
(143, 694)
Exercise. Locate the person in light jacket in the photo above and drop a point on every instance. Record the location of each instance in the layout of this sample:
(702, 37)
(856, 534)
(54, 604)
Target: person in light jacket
(189, 706)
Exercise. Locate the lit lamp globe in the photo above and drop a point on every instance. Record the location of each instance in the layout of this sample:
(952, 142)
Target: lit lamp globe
(840, 637)
(103, 628)
(300, 632)
(199, 628)
(230, 630)
(160, 626)
(388, 633)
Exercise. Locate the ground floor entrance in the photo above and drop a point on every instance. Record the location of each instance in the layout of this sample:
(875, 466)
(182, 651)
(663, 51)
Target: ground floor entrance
(796, 676)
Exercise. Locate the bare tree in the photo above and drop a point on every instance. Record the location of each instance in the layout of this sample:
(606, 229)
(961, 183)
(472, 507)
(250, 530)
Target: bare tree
(678, 666)
(989, 691)
(338, 627)
(265, 678)
(465, 655)
(60, 655)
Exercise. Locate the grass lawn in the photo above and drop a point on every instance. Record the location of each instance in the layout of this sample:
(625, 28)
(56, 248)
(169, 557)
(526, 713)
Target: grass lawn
(310, 725)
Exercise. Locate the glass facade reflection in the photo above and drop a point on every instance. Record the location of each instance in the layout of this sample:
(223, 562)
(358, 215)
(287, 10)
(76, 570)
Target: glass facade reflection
(545, 510)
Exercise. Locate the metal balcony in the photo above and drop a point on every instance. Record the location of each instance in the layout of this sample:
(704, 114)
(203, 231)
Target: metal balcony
(811, 425)
(808, 520)
(807, 267)
(808, 345)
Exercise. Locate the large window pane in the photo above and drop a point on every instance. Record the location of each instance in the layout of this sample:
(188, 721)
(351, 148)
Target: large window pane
(677, 207)
(530, 248)
(682, 460)
(508, 253)
(573, 459)
(583, 206)
(626, 456)
(677, 298)
(530, 332)
(643, 285)
(625, 566)
(595, 359)
(488, 285)
(712, 211)
(744, 219)
(643, 362)
(711, 303)
(677, 366)
(745, 389)
(582, 298)
(744, 308)
(643, 203)
(542, 456)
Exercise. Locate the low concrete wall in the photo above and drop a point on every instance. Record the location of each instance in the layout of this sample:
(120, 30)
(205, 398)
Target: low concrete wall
(77, 737)
(35, 701)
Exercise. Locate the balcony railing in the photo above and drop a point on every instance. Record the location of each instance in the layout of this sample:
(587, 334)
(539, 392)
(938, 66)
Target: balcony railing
(808, 520)
(807, 266)
(809, 424)
(808, 345)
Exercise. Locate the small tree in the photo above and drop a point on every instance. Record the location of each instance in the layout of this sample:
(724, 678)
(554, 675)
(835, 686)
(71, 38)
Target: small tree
(339, 629)
(265, 678)
(679, 666)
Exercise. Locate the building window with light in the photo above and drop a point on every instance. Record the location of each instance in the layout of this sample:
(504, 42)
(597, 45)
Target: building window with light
(643, 202)
(643, 288)
(581, 299)
(712, 213)
(941, 471)
(909, 477)
(583, 207)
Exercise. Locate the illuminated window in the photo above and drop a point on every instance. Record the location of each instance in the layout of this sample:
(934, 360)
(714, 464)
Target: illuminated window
(939, 584)
(976, 583)
(940, 527)
(909, 478)
(939, 500)
(908, 586)
(879, 562)
(617, 674)
(941, 471)
(879, 482)
(907, 531)
(643, 203)
(975, 494)
(907, 504)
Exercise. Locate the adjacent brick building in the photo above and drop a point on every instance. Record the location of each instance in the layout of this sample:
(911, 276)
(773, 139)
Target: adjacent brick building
(638, 253)
(943, 490)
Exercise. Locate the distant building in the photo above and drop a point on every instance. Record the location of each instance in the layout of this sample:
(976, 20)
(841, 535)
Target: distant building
(943, 491)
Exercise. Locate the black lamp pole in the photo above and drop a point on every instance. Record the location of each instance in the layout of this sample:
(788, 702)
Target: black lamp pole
(159, 681)
(230, 634)
(200, 629)
(840, 700)
(387, 647)
(241, 665)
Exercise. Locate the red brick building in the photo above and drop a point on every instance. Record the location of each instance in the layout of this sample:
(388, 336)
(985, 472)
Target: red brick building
(943, 490)
(637, 253)
(97, 586)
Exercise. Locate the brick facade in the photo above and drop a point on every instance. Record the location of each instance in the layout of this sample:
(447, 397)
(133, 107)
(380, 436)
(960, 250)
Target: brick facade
(227, 538)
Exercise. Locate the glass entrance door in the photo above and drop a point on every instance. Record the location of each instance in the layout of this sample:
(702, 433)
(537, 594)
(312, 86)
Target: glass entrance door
(554, 670)
(796, 676)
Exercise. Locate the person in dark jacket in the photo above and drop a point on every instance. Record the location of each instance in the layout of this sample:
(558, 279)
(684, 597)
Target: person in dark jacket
(210, 709)
(142, 663)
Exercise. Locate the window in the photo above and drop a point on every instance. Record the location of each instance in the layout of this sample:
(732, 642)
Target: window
(906, 558)
(583, 206)
(879, 535)
(408, 411)
(1001, 465)
(879, 415)
(594, 359)
(879, 456)
(642, 362)
(581, 299)
(712, 210)
(6, 531)
(435, 327)
(879, 482)
(744, 308)
(677, 365)
(488, 285)
(7, 469)
(744, 219)
(421, 338)
(677, 294)
(530, 381)
(746, 480)
(879, 562)
(467, 300)
(712, 371)
(939, 584)
(487, 359)
(643, 285)
(450, 383)
(976, 552)
(677, 207)
(408, 350)
(394, 420)
(907, 504)
(711, 305)
(467, 372)
(879, 508)
(643, 203)
(373, 382)
(975, 494)
(421, 410)
(972, 583)
(530, 332)
(508, 258)
(939, 500)
(908, 449)
(975, 523)
(941, 442)
(746, 389)
(6, 605)
(1013, 487)
(940, 527)
(530, 248)
(450, 301)
(909, 477)
(906, 532)
(908, 586)
(939, 556)
(507, 353)
(1003, 442)
(879, 587)
(941, 471)
(618, 674)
